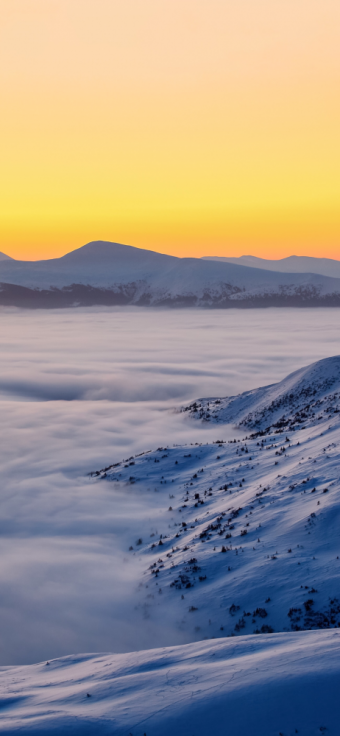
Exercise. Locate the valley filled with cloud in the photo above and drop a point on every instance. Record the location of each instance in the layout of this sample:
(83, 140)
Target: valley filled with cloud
(80, 390)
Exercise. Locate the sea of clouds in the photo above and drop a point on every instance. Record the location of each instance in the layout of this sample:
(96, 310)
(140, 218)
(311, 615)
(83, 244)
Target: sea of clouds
(83, 388)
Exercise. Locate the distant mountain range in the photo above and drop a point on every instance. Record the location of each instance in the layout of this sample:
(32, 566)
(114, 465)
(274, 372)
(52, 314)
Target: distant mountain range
(292, 264)
(103, 273)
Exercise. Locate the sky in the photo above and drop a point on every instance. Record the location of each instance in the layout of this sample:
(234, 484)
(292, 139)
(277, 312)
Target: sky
(190, 127)
(79, 390)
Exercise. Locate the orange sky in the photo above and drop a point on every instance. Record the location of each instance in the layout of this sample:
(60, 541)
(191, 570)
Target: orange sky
(192, 127)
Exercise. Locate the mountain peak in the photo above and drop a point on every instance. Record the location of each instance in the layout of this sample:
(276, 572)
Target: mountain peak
(104, 250)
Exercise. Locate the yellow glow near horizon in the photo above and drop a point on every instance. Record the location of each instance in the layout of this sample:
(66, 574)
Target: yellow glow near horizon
(192, 127)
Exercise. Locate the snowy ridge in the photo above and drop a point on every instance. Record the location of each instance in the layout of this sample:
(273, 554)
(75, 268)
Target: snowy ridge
(244, 536)
(257, 686)
(299, 399)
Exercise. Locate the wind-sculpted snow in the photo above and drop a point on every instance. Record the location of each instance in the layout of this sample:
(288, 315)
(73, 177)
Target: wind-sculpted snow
(255, 686)
(244, 534)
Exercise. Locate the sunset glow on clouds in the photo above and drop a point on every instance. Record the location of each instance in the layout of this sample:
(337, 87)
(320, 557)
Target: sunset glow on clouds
(192, 127)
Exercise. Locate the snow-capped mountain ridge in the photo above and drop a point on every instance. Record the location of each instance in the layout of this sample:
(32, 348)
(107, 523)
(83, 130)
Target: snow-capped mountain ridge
(112, 273)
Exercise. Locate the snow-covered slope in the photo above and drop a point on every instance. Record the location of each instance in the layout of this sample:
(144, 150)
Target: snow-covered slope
(298, 399)
(292, 264)
(244, 536)
(111, 273)
(253, 686)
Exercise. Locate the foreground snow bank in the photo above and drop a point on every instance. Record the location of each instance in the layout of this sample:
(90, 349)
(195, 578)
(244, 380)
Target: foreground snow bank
(249, 686)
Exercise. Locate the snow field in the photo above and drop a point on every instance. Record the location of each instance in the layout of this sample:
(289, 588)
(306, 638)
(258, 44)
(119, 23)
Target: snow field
(260, 685)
